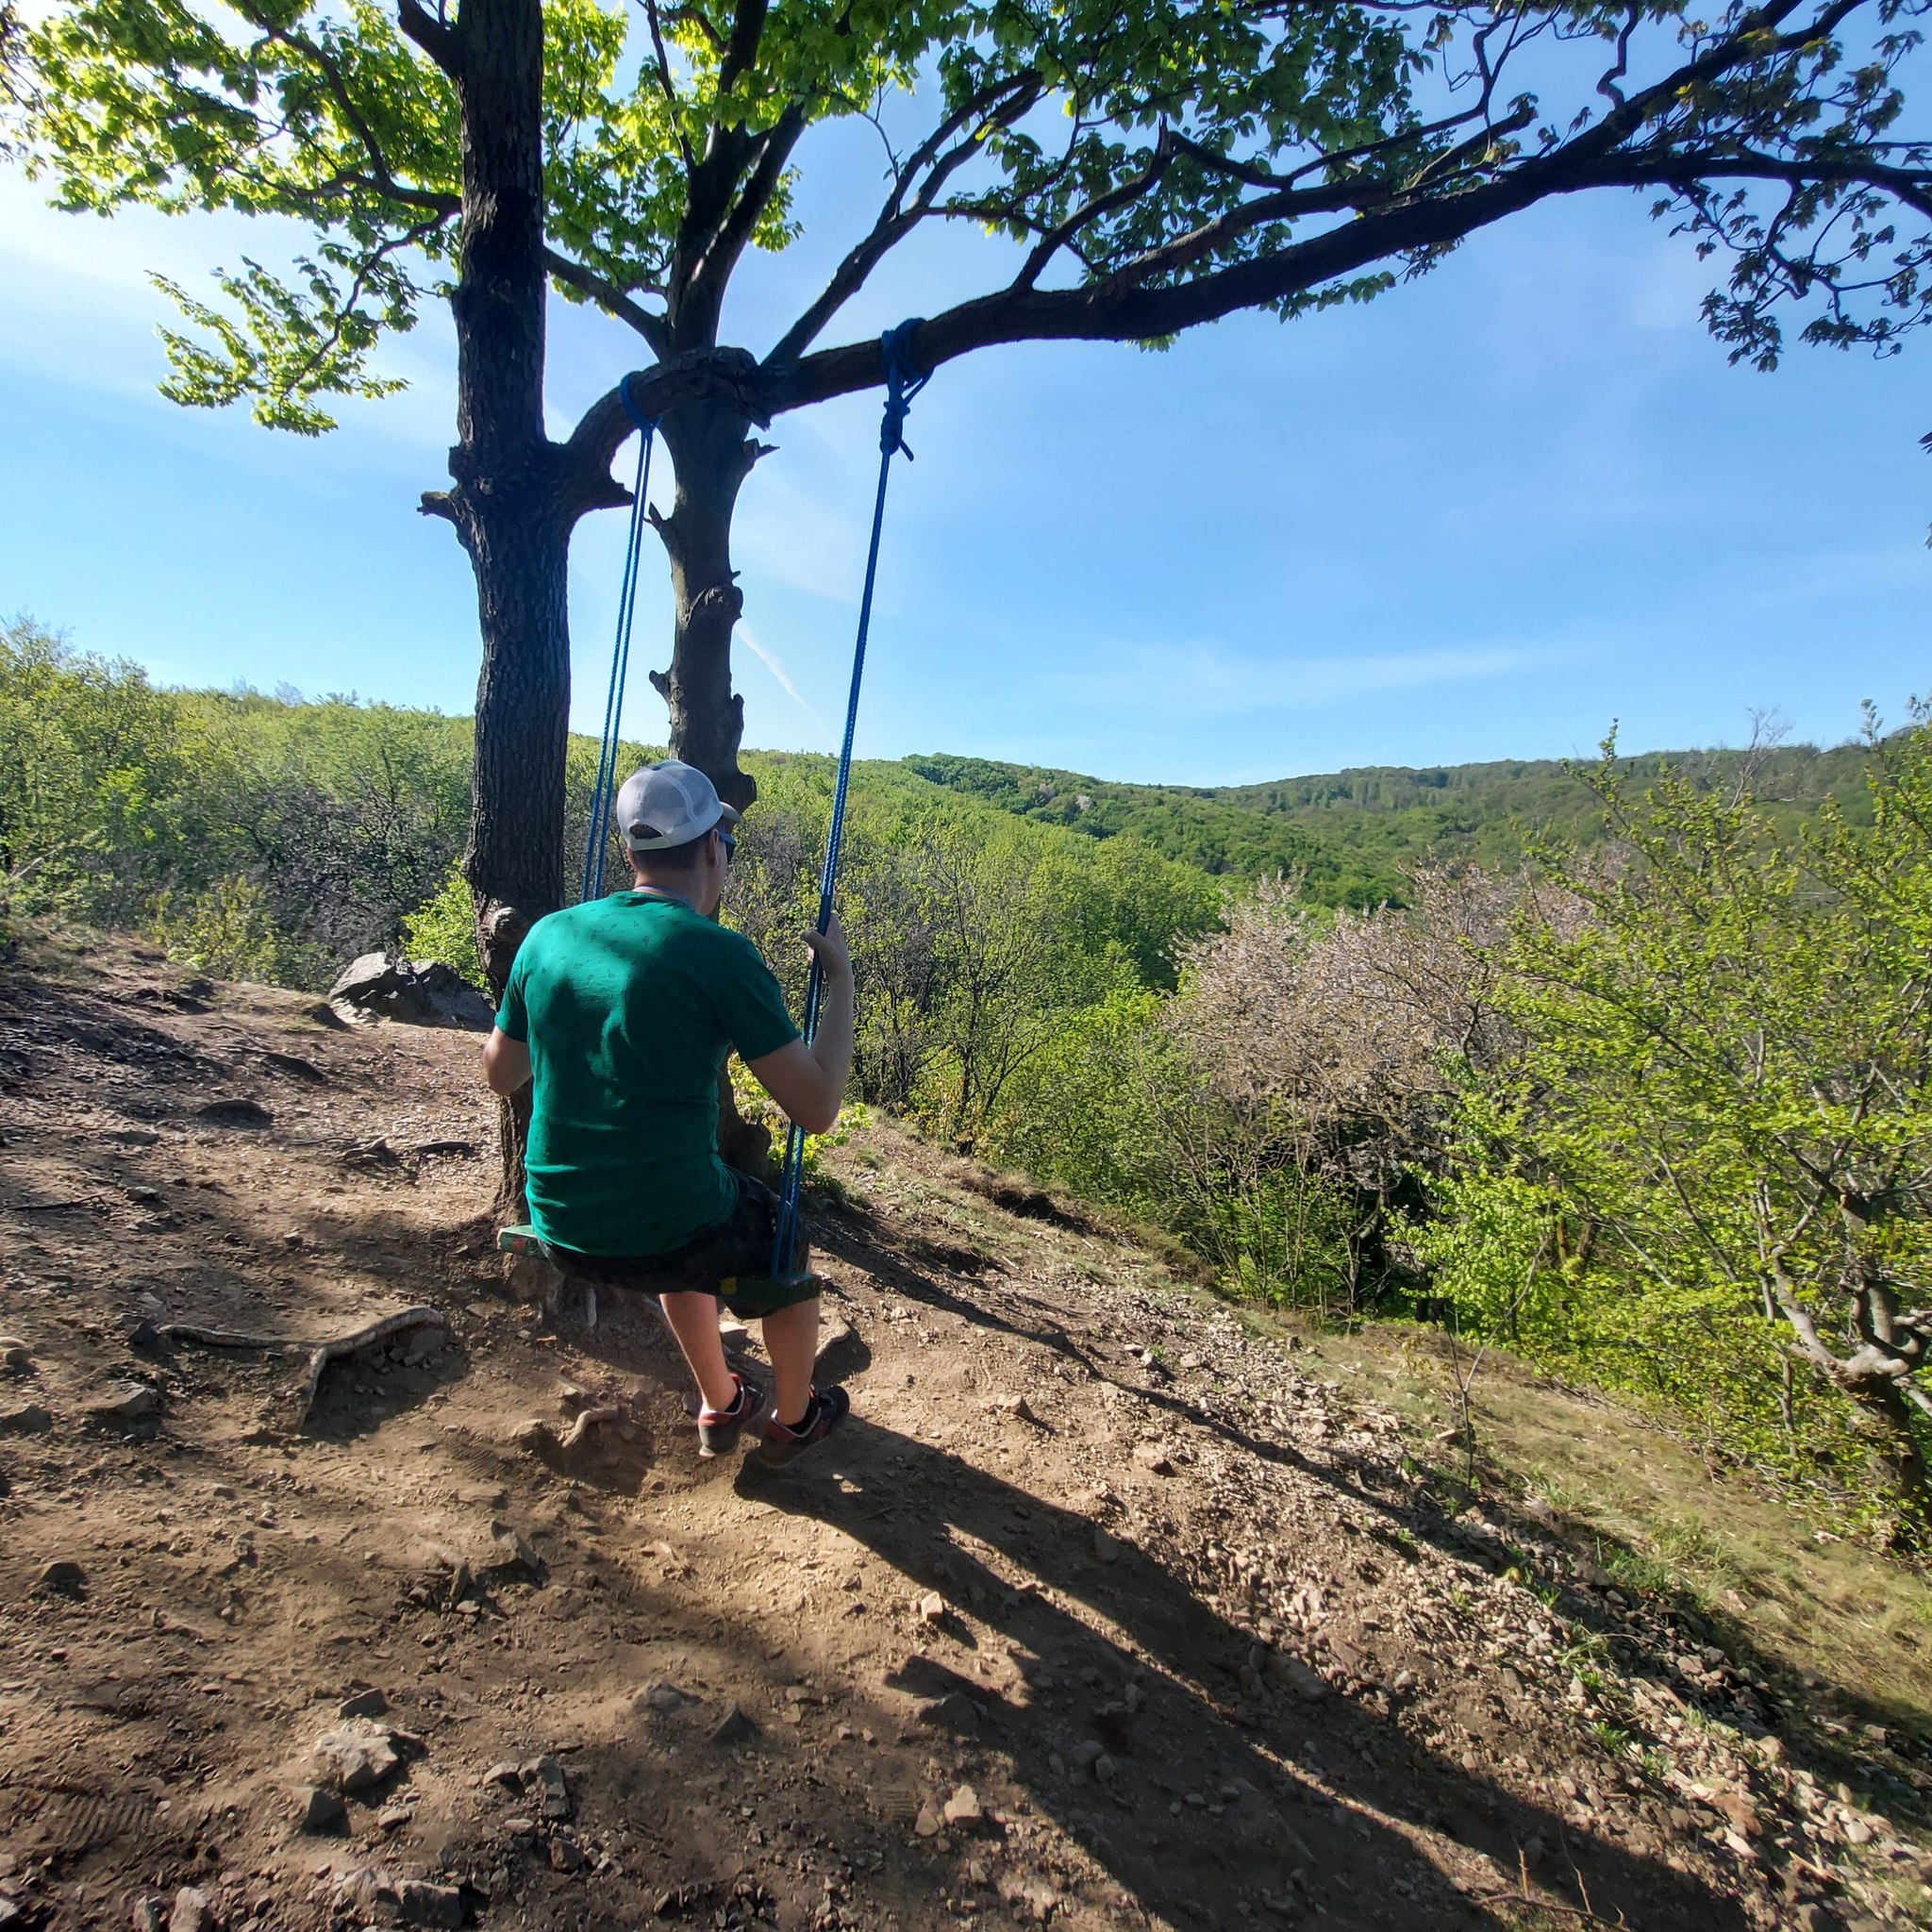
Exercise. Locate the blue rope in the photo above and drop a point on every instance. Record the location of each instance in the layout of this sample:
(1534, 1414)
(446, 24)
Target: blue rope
(597, 839)
(904, 380)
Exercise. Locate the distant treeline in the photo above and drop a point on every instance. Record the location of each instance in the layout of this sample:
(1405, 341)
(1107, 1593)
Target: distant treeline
(1355, 836)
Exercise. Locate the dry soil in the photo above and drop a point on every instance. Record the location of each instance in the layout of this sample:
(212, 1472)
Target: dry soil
(1101, 1612)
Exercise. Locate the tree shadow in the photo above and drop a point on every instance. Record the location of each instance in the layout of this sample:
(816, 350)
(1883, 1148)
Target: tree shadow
(1325, 1801)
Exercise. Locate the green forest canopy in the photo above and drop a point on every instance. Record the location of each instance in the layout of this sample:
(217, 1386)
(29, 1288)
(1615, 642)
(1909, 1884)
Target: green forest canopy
(1353, 833)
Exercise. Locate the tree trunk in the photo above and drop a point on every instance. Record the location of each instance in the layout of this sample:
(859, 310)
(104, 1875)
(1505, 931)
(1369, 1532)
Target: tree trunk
(505, 497)
(514, 863)
(505, 503)
(713, 453)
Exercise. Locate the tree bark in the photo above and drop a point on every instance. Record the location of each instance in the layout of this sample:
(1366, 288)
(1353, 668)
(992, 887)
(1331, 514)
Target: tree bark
(713, 452)
(505, 476)
(506, 502)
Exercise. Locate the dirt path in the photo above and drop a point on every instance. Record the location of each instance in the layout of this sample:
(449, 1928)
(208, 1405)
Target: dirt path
(1101, 1612)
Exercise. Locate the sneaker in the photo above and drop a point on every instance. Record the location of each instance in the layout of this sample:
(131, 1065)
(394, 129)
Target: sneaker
(826, 1410)
(719, 1429)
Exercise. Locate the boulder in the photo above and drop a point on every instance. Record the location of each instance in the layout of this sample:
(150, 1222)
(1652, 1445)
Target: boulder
(63, 1577)
(122, 1401)
(194, 1911)
(422, 1903)
(356, 1755)
(421, 992)
(319, 1811)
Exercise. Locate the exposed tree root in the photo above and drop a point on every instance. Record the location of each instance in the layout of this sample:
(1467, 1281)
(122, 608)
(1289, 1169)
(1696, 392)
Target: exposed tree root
(587, 1420)
(352, 1344)
(321, 1354)
(220, 1338)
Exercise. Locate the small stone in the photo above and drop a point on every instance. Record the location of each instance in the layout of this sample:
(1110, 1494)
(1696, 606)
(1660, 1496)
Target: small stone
(1019, 1408)
(1153, 1458)
(122, 1401)
(506, 1773)
(1105, 1547)
(1857, 1832)
(734, 1727)
(318, 1810)
(963, 1807)
(355, 1755)
(422, 1902)
(1404, 1680)
(507, 1552)
(394, 1817)
(566, 1855)
(546, 1773)
(932, 1607)
(24, 1419)
(520, 1827)
(148, 1915)
(1291, 1674)
(360, 1890)
(62, 1577)
(1742, 1812)
(192, 1912)
(364, 1703)
(665, 1697)
(926, 1824)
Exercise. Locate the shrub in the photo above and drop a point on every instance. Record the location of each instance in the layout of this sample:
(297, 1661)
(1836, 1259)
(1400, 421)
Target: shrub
(444, 927)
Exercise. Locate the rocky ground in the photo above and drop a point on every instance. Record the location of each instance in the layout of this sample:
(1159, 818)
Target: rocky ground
(1103, 1611)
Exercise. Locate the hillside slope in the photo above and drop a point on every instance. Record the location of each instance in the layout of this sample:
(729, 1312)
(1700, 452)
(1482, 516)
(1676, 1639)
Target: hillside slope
(1103, 1613)
(1352, 833)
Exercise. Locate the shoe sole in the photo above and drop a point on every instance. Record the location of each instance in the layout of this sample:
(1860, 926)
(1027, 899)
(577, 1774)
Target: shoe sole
(777, 1455)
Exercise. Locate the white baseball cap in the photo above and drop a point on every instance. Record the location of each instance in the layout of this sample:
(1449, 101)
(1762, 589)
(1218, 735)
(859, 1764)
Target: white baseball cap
(668, 804)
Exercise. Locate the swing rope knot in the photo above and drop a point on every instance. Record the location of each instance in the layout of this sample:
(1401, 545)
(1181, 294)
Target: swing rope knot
(904, 380)
(645, 423)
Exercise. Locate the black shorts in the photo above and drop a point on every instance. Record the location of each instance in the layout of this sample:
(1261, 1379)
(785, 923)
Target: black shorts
(732, 1260)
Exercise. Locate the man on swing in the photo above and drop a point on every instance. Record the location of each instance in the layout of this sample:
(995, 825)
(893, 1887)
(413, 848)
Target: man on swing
(622, 1011)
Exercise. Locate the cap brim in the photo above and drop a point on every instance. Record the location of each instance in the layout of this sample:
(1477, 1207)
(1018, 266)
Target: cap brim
(727, 815)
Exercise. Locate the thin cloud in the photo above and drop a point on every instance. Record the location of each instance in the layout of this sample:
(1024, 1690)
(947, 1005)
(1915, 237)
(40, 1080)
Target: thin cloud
(783, 677)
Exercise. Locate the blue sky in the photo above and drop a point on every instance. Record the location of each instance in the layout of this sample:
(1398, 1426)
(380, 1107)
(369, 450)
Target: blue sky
(1481, 518)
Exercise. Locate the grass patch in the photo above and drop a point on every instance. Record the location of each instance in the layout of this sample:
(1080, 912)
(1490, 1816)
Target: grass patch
(1664, 1524)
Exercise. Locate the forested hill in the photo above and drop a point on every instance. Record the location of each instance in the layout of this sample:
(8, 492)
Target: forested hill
(1352, 832)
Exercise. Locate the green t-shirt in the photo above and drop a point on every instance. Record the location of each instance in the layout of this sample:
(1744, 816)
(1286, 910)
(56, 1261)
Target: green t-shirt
(630, 1006)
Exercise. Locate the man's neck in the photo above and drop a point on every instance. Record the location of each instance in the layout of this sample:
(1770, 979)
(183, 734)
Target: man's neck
(658, 891)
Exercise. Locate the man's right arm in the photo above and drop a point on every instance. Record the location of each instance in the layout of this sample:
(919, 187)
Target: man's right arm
(808, 1082)
(506, 1062)
(507, 1051)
